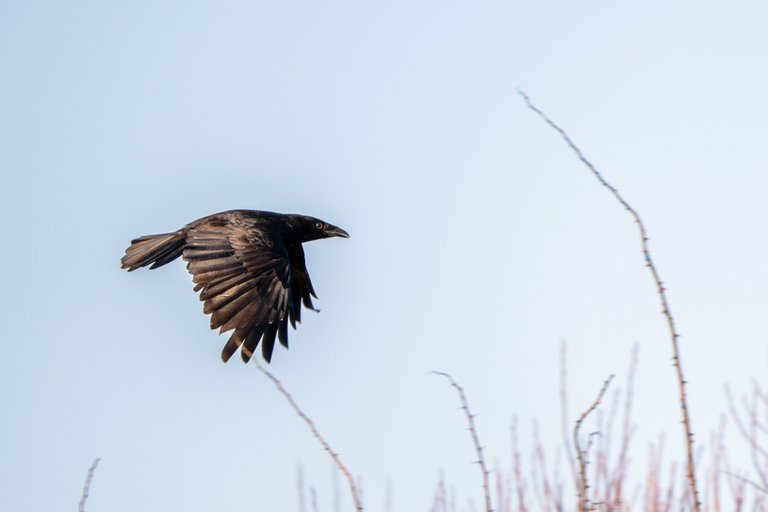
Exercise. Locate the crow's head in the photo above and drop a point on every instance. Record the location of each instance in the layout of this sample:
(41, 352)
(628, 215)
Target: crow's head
(309, 228)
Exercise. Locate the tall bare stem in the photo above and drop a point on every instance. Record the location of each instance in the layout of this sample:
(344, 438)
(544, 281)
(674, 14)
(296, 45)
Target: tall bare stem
(662, 291)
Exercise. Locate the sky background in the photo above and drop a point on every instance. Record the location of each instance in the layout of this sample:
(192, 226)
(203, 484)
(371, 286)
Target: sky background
(478, 242)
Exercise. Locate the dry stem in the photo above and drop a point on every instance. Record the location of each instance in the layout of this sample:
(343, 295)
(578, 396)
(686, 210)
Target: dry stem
(475, 439)
(87, 485)
(677, 362)
(335, 456)
(581, 454)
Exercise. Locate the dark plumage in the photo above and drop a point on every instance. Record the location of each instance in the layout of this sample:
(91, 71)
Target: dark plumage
(249, 269)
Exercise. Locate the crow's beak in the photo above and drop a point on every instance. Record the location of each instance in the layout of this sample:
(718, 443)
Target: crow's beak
(334, 231)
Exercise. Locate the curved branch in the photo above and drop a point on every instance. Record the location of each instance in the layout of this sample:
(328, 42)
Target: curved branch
(662, 291)
(335, 456)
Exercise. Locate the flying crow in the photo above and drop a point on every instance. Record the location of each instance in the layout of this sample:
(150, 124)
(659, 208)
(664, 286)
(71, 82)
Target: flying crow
(249, 269)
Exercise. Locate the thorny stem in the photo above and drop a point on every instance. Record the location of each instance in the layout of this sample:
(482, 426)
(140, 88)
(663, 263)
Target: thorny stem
(581, 453)
(662, 291)
(335, 456)
(475, 439)
(87, 485)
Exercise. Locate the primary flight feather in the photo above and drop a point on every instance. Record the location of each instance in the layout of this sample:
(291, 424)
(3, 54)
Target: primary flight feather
(249, 268)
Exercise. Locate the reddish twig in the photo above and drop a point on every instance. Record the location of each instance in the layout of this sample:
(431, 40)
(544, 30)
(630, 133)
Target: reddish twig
(751, 437)
(627, 430)
(475, 439)
(662, 291)
(439, 503)
(335, 456)
(517, 469)
(87, 485)
(545, 493)
(564, 412)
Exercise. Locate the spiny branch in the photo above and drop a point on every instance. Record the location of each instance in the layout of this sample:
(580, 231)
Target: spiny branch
(87, 485)
(662, 291)
(335, 456)
(475, 439)
(581, 453)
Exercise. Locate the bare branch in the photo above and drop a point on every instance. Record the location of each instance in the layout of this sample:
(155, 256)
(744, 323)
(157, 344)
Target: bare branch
(674, 336)
(313, 496)
(475, 439)
(517, 469)
(581, 454)
(545, 494)
(87, 485)
(627, 429)
(746, 481)
(756, 448)
(335, 456)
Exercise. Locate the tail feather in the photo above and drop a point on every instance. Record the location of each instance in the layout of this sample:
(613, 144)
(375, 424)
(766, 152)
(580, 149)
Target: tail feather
(155, 250)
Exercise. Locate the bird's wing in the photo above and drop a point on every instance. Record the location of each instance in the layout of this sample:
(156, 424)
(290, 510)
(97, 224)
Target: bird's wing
(243, 277)
(301, 284)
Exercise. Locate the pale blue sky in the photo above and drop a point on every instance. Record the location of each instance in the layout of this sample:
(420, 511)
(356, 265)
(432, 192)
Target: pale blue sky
(478, 242)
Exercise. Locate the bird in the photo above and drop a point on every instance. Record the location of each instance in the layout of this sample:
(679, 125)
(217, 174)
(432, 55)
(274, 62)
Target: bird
(249, 268)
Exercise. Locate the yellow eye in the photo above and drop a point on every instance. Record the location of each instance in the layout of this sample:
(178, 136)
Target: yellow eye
(319, 225)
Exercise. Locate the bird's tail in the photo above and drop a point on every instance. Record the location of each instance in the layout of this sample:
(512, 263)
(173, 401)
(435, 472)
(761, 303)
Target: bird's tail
(156, 250)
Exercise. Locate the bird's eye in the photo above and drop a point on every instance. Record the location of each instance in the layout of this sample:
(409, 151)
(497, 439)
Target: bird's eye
(319, 225)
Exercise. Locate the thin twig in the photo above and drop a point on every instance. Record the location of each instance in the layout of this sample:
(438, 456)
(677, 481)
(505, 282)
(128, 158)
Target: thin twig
(627, 429)
(717, 461)
(87, 485)
(756, 448)
(300, 486)
(313, 496)
(674, 336)
(517, 469)
(746, 481)
(564, 411)
(335, 456)
(545, 494)
(581, 454)
(475, 439)
(604, 434)
(754, 428)
(439, 501)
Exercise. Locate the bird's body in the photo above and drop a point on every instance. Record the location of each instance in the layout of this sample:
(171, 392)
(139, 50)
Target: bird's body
(249, 268)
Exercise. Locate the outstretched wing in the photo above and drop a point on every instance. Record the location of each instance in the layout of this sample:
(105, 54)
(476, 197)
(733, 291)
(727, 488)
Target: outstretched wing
(244, 278)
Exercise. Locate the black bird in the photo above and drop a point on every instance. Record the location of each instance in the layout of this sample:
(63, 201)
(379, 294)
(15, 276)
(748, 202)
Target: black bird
(249, 268)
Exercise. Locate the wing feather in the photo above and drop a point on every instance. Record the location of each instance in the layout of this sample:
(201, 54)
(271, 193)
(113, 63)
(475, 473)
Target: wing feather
(268, 341)
(251, 342)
